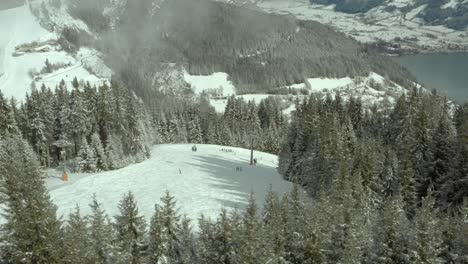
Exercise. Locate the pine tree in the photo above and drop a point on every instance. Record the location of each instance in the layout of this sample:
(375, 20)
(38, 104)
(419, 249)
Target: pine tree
(98, 150)
(87, 162)
(442, 159)
(407, 188)
(31, 231)
(76, 239)
(194, 131)
(274, 221)
(48, 67)
(79, 118)
(186, 242)
(391, 233)
(252, 250)
(100, 234)
(130, 227)
(169, 220)
(421, 152)
(156, 246)
(223, 240)
(455, 186)
(296, 226)
(6, 120)
(428, 235)
(205, 241)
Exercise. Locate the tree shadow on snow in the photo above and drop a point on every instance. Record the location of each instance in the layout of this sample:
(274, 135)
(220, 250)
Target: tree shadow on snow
(239, 184)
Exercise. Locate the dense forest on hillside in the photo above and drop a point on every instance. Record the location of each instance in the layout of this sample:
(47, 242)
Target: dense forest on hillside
(260, 51)
(371, 185)
(346, 226)
(107, 127)
(415, 149)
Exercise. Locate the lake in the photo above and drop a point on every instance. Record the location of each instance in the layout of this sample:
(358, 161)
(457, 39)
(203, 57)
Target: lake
(448, 73)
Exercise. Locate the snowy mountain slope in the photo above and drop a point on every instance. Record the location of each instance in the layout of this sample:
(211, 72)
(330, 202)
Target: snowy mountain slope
(56, 18)
(397, 22)
(372, 89)
(25, 46)
(203, 181)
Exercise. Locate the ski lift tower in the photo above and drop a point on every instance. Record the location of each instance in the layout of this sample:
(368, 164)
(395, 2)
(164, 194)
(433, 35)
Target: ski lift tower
(251, 151)
(62, 144)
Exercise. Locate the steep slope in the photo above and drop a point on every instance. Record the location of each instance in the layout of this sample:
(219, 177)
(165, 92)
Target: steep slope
(25, 46)
(260, 52)
(203, 181)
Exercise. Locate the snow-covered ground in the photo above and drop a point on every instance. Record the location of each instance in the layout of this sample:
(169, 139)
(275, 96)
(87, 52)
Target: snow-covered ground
(377, 24)
(216, 83)
(373, 88)
(203, 181)
(19, 26)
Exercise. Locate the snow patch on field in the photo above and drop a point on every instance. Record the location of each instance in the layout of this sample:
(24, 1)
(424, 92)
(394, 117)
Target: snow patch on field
(203, 181)
(216, 83)
(372, 89)
(320, 84)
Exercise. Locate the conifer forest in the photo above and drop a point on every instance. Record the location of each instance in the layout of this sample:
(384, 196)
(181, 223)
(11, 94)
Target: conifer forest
(371, 179)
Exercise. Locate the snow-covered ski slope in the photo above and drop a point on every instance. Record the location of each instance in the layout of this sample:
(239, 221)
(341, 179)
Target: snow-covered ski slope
(19, 26)
(203, 182)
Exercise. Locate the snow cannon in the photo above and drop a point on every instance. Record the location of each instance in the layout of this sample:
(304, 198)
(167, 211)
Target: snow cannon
(65, 177)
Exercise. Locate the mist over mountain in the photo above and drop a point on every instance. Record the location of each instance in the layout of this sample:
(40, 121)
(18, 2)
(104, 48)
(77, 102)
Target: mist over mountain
(259, 51)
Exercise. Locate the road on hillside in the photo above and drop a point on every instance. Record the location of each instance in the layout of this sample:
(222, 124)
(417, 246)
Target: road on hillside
(7, 4)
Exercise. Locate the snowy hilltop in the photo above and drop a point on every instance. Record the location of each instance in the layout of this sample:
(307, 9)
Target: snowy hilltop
(203, 181)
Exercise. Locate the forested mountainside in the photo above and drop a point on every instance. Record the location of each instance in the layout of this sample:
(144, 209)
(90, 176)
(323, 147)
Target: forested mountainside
(259, 51)
(451, 13)
(368, 208)
(419, 147)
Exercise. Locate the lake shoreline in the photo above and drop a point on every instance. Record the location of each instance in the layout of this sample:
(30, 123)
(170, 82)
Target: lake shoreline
(396, 49)
(442, 71)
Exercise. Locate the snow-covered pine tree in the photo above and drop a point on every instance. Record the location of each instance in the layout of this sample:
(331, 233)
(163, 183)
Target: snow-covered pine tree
(130, 227)
(392, 233)
(113, 153)
(76, 239)
(31, 231)
(428, 234)
(274, 223)
(168, 219)
(205, 245)
(156, 248)
(100, 235)
(96, 146)
(252, 240)
(87, 157)
(79, 118)
(443, 151)
(187, 253)
(194, 131)
(223, 239)
(4, 116)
